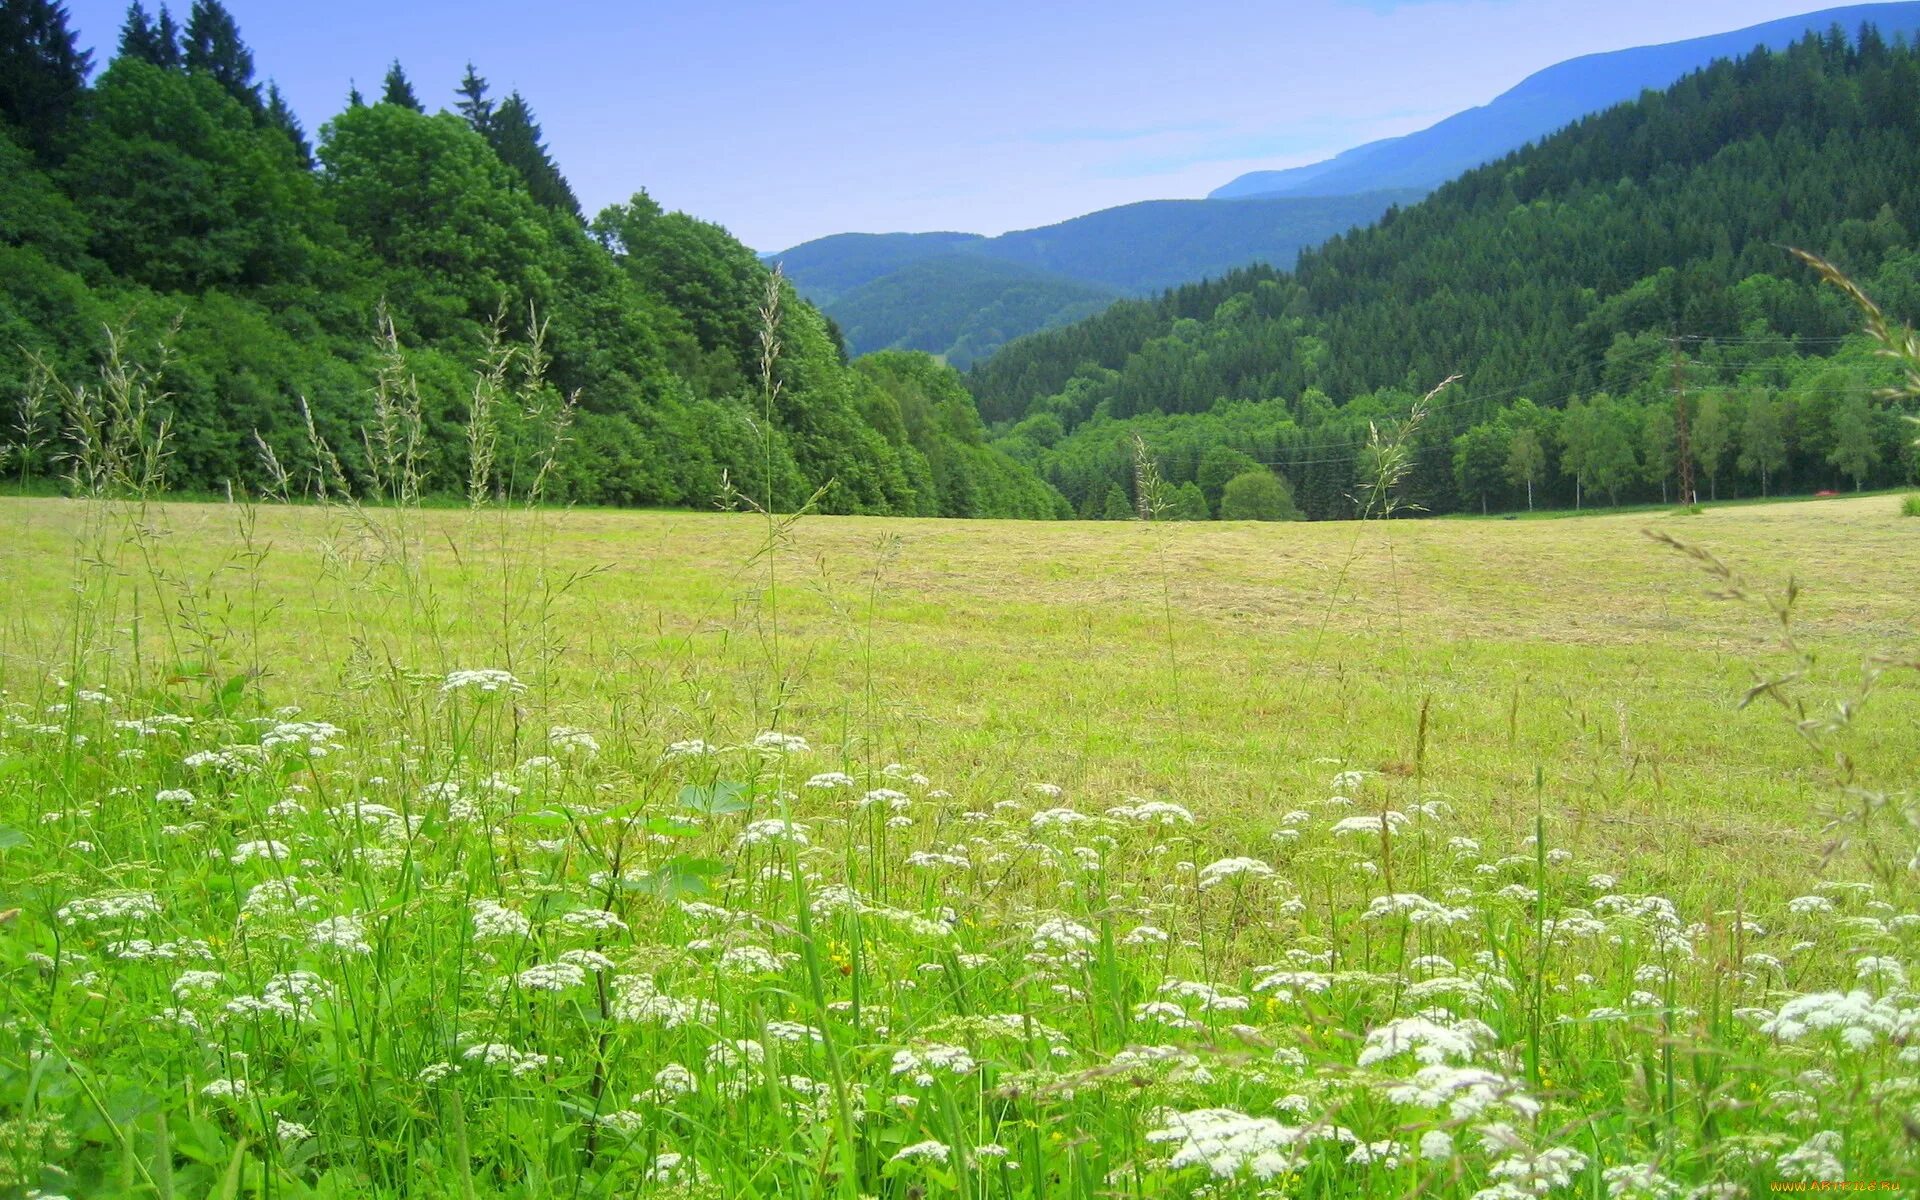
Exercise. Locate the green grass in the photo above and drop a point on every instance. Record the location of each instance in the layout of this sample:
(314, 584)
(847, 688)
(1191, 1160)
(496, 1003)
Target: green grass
(1083, 844)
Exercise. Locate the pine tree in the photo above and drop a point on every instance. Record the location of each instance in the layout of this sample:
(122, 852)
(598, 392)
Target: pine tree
(214, 49)
(515, 136)
(474, 104)
(1117, 506)
(42, 72)
(398, 90)
(354, 98)
(280, 116)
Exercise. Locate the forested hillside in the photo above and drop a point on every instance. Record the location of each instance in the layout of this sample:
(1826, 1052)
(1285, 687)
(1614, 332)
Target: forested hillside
(174, 205)
(963, 296)
(1576, 286)
(1545, 102)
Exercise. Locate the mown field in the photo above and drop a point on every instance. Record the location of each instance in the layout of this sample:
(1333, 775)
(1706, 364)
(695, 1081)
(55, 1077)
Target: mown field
(903, 858)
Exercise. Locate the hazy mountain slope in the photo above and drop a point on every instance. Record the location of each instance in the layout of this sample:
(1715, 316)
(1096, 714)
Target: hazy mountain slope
(828, 266)
(960, 306)
(1543, 103)
(962, 295)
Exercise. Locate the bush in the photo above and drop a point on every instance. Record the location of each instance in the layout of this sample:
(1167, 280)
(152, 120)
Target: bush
(1257, 495)
(1910, 505)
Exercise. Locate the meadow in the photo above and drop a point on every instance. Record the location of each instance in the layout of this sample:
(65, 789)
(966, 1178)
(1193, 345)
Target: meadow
(527, 852)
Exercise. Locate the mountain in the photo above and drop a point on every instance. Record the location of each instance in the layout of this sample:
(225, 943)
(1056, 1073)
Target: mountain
(1544, 102)
(961, 307)
(942, 291)
(1558, 283)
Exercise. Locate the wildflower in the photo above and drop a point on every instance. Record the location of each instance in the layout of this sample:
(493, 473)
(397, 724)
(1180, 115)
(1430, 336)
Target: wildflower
(1226, 1142)
(1436, 1145)
(1528, 1173)
(1815, 1160)
(1429, 1041)
(1809, 905)
(569, 740)
(108, 909)
(693, 748)
(1466, 1092)
(491, 919)
(774, 742)
(1221, 870)
(587, 960)
(317, 738)
(276, 898)
(1856, 1017)
(593, 920)
(637, 999)
(920, 1064)
(1152, 812)
(486, 680)
(1418, 909)
(196, 983)
(733, 1053)
(246, 852)
(830, 779)
(339, 933)
(771, 831)
(1056, 818)
(288, 1132)
(1372, 823)
(1063, 941)
(1880, 969)
(673, 1080)
(229, 1089)
(749, 960)
(552, 977)
(930, 1151)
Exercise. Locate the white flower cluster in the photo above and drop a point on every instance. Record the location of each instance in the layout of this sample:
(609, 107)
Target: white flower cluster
(486, 680)
(1227, 1142)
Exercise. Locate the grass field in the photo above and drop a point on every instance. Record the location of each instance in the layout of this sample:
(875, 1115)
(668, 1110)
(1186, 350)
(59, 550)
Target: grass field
(949, 858)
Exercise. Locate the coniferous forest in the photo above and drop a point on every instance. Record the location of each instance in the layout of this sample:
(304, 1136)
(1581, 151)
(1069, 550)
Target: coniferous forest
(170, 204)
(1577, 287)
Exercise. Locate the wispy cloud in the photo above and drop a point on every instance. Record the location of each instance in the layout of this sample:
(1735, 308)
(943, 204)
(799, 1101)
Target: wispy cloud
(1299, 142)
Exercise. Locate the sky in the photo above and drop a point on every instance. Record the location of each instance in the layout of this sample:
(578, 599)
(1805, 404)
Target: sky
(789, 121)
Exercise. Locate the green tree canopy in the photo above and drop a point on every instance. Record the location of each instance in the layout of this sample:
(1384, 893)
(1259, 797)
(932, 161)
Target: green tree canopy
(1257, 495)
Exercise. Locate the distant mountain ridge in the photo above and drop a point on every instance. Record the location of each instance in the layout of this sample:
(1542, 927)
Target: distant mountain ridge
(962, 295)
(1543, 103)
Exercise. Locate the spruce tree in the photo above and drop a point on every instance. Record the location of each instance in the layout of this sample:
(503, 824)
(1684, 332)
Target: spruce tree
(138, 38)
(168, 55)
(214, 49)
(280, 116)
(398, 90)
(474, 103)
(515, 136)
(42, 72)
(354, 98)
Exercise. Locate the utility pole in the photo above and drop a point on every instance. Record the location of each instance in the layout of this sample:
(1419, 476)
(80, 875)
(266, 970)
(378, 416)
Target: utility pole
(1685, 446)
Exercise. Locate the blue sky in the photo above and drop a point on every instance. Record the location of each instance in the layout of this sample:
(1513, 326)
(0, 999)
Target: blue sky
(789, 121)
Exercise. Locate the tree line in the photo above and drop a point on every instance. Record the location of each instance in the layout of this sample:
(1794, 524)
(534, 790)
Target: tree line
(175, 203)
